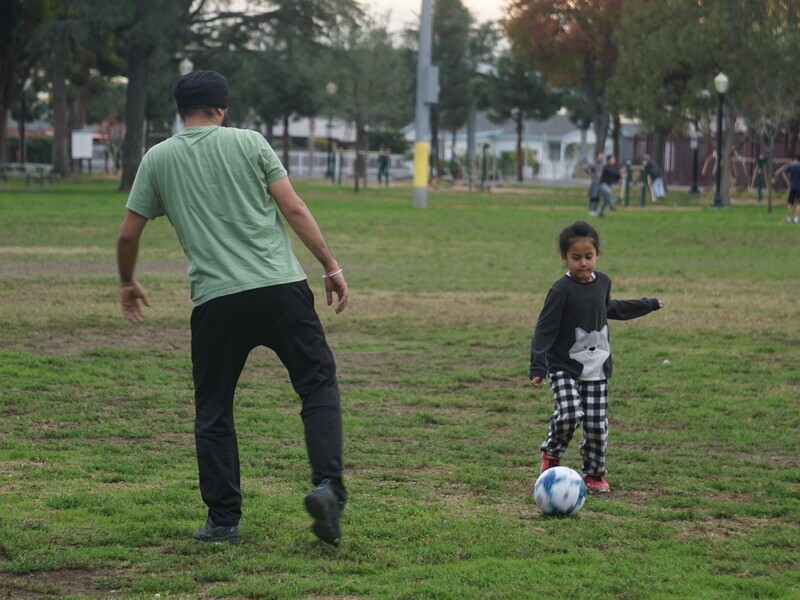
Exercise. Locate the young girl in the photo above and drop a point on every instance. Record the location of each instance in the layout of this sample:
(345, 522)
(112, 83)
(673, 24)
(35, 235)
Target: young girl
(570, 344)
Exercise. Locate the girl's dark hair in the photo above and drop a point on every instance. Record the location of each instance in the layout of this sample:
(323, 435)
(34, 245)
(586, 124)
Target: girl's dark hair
(577, 230)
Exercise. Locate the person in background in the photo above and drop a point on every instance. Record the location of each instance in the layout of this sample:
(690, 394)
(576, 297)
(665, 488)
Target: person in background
(608, 177)
(383, 164)
(651, 175)
(594, 169)
(791, 173)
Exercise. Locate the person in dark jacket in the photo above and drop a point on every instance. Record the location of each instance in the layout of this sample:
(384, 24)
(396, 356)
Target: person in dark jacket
(593, 170)
(651, 175)
(571, 346)
(608, 177)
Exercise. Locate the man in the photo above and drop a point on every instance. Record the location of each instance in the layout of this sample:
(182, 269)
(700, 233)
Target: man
(651, 175)
(791, 173)
(383, 164)
(608, 177)
(593, 170)
(222, 189)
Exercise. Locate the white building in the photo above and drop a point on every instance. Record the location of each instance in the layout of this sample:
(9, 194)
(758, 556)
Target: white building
(557, 144)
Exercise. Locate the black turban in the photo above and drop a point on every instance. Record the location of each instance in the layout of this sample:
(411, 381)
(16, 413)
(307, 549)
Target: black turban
(201, 88)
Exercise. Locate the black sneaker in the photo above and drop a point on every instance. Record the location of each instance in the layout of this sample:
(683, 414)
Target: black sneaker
(217, 534)
(326, 509)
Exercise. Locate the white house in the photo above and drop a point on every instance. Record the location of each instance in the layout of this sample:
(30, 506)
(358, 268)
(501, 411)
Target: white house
(557, 143)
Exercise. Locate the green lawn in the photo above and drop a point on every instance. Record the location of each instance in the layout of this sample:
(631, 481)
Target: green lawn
(98, 489)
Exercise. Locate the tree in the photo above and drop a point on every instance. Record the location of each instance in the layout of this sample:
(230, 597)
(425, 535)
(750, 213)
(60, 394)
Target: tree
(285, 43)
(655, 74)
(143, 26)
(62, 38)
(452, 24)
(372, 84)
(518, 92)
(670, 52)
(18, 55)
(572, 42)
(770, 101)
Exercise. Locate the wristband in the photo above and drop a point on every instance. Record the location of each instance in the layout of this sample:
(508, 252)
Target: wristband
(327, 275)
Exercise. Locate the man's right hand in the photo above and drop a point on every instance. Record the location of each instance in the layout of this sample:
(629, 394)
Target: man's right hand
(537, 381)
(132, 299)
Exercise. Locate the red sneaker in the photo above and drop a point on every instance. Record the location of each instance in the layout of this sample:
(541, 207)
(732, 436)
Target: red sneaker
(597, 484)
(548, 462)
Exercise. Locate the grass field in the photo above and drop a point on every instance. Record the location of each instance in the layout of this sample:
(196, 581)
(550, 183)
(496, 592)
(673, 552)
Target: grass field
(98, 490)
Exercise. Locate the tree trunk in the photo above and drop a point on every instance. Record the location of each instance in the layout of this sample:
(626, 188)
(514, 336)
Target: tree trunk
(616, 132)
(455, 171)
(22, 146)
(60, 154)
(285, 139)
(658, 150)
(437, 167)
(519, 148)
(794, 132)
(357, 169)
(311, 140)
(725, 159)
(3, 135)
(80, 106)
(135, 104)
(364, 155)
(9, 91)
(600, 125)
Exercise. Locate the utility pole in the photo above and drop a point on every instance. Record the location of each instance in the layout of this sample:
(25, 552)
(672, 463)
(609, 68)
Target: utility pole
(427, 94)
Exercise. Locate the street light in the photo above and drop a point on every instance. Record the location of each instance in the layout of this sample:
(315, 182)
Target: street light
(185, 67)
(330, 88)
(721, 85)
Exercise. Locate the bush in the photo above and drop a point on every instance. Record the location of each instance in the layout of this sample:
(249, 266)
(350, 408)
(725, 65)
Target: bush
(40, 150)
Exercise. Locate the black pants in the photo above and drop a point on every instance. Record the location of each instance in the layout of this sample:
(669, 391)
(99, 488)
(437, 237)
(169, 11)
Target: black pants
(224, 331)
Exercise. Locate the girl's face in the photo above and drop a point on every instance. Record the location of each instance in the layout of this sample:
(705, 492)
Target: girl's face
(581, 258)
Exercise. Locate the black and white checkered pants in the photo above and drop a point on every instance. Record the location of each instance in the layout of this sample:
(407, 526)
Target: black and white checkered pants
(583, 403)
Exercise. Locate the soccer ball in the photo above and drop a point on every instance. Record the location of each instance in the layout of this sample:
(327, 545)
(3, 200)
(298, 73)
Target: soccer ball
(559, 492)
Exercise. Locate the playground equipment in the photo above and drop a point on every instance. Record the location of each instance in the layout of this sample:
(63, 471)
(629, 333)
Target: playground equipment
(484, 166)
(633, 177)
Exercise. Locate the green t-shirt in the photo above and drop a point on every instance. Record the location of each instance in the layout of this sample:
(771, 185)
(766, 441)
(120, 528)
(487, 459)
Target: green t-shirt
(211, 183)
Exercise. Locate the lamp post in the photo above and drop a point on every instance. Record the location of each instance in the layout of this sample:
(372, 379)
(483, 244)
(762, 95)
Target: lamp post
(330, 88)
(427, 94)
(721, 85)
(693, 144)
(185, 67)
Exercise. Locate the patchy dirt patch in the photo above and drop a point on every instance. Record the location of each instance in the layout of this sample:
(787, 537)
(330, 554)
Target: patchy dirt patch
(56, 250)
(53, 264)
(64, 582)
(78, 341)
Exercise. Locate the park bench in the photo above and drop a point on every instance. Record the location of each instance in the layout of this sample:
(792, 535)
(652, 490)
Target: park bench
(37, 172)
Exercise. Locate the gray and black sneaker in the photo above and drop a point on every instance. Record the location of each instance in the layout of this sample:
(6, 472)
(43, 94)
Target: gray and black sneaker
(326, 509)
(217, 534)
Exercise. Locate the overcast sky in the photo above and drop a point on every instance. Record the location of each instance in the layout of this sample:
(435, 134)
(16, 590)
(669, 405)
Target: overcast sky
(405, 11)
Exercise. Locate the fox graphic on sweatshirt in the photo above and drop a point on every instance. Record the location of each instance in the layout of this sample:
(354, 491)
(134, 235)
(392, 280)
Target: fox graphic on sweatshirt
(591, 349)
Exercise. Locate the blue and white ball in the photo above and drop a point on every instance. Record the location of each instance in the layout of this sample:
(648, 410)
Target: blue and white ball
(559, 492)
